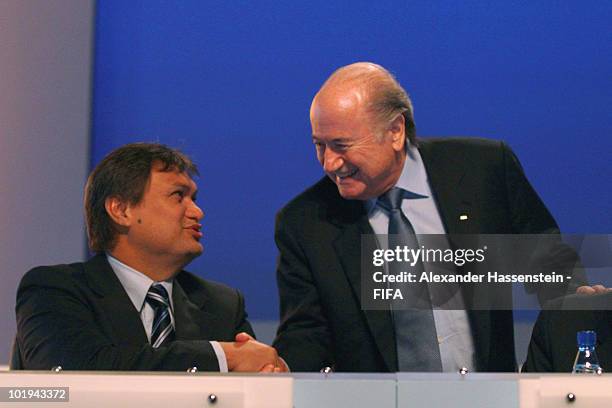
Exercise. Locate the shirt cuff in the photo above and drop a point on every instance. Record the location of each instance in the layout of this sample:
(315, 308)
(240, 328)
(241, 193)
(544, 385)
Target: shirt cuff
(220, 356)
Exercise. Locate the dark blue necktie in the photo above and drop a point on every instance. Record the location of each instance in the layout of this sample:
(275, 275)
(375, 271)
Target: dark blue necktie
(162, 330)
(415, 329)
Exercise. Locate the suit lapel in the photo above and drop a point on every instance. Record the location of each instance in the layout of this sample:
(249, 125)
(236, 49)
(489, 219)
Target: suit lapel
(448, 177)
(116, 304)
(192, 318)
(186, 327)
(348, 249)
(446, 173)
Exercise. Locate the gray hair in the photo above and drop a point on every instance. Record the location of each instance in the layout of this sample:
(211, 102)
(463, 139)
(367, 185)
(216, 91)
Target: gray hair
(387, 98)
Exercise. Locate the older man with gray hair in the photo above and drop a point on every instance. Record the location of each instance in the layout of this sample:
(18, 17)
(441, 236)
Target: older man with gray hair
(381, 179)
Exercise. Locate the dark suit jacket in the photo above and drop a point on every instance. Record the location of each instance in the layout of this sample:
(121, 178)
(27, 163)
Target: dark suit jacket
(553, 343)
(318, 236)
(79, 316)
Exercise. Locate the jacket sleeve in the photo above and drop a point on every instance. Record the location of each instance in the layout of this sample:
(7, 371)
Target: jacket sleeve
(241, 323)
(303, 339)
(529, 215)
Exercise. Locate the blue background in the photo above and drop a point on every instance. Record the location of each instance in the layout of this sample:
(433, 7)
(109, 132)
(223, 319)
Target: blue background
(230, 84)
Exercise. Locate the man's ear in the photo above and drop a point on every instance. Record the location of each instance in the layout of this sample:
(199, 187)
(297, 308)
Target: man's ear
(397, 132)
(119, 211)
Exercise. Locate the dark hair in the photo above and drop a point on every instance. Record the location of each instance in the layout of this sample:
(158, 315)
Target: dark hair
(124, 174)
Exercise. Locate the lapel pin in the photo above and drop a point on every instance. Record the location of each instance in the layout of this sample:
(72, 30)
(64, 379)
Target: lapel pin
(463, 217)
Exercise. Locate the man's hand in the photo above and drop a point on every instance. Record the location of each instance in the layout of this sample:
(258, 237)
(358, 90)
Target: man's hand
(269, 368)
(249, 355)
(243, 337)
(593, 290)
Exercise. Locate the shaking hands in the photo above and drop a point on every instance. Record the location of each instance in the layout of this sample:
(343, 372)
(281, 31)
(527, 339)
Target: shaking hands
(248, 355)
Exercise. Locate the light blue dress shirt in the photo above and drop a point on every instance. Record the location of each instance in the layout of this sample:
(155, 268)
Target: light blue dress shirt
(137, 284)
(452, 326)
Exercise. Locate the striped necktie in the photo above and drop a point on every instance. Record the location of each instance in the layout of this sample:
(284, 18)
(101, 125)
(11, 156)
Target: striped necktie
(162, 331)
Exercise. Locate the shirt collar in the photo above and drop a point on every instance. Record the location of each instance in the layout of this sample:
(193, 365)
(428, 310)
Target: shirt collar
(413, 177)
(135, 283)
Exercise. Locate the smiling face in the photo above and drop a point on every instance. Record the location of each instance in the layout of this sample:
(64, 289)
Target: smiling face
(164, 227)
(363, 158)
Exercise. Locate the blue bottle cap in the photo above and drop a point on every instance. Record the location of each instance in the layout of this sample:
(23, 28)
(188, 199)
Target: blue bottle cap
(586, 338)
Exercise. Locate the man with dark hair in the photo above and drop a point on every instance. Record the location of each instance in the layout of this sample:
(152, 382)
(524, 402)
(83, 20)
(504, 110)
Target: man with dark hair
(379, 179)
(131, 306)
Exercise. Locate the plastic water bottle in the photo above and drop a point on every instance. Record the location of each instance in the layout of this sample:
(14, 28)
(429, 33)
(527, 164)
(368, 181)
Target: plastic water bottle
(586, 360)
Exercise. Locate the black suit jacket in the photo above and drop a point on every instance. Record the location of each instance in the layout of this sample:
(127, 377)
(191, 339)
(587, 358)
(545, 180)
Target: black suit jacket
(79, 316)
(553, 343)
(318, 236)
